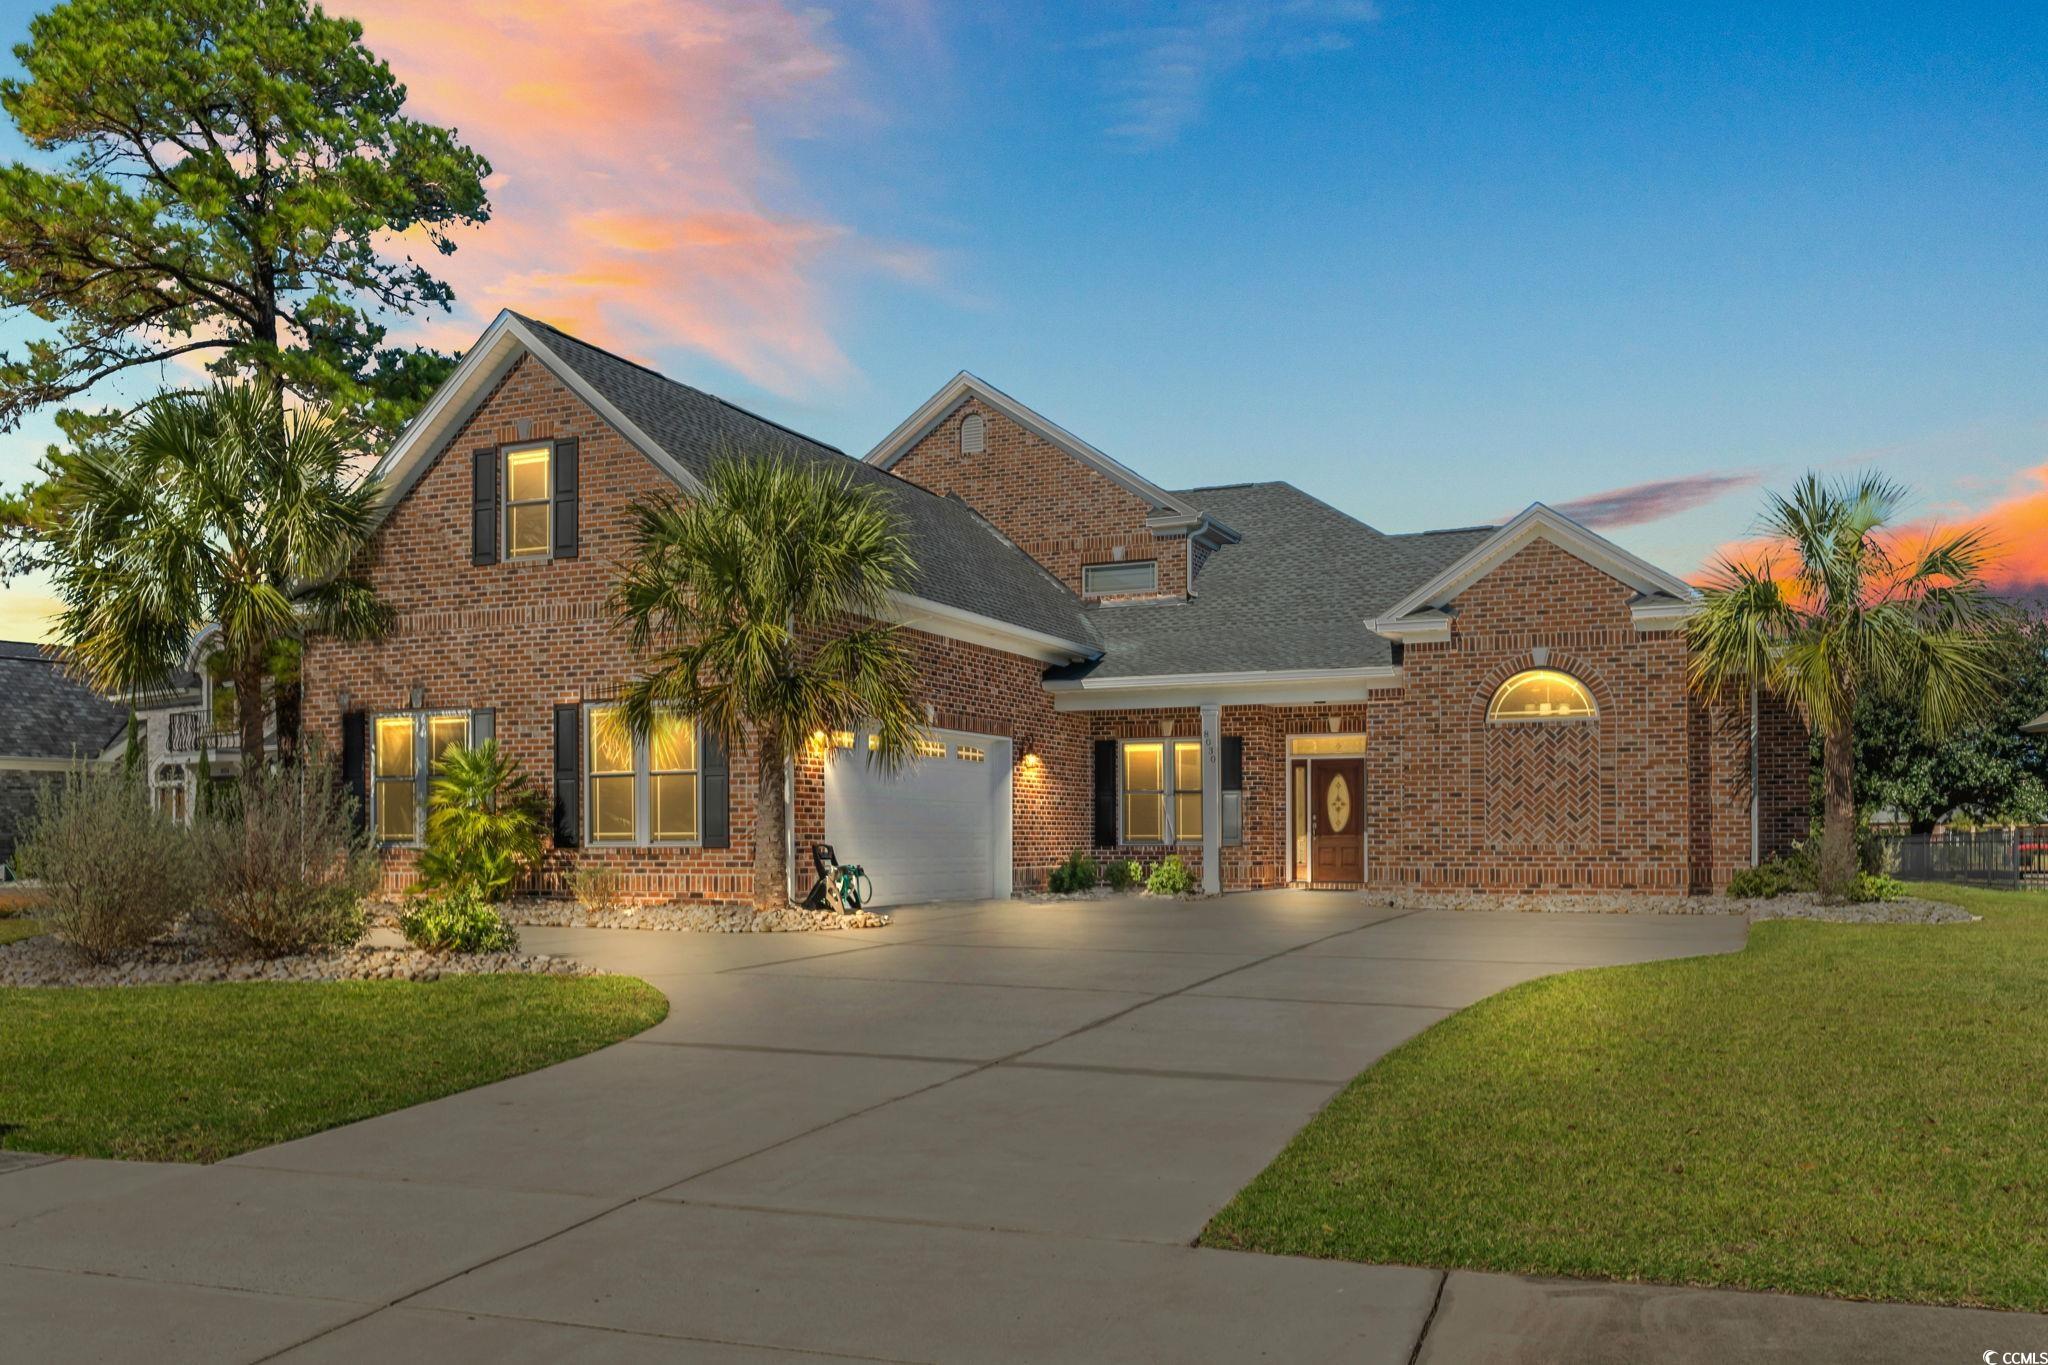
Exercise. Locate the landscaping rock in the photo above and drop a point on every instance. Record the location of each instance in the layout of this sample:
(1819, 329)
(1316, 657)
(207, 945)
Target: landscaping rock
(684, 919)
(46, 962)
(1801, 905)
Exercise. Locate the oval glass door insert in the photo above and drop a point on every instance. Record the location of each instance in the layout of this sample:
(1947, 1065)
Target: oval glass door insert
(1337, 803)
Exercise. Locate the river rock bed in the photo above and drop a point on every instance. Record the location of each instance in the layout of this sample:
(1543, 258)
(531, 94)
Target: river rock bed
(1799, 905)
(685, 919)
(43, 961)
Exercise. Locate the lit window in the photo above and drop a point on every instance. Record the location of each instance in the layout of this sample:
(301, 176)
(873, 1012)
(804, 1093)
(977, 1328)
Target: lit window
(1187, 792)
(968, 753)
(1144, 793)
(528, 501)
(1140, 575)
(613, 816)
(396, 796)
(444, 733)
(930, 748)
(1542, 694)
(1325, 744)
(672, 778)
(842, 739)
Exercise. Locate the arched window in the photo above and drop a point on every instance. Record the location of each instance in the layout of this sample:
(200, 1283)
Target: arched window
(973, 434)
(1542, 694)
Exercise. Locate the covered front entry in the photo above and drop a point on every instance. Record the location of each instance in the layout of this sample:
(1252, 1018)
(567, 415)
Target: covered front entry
(937, 830)
(1326, 809)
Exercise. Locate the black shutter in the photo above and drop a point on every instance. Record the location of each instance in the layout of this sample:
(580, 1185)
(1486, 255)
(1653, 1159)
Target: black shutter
(483, 727)
(567, 478)
(717, 781)
(355, 768)
(1233, 763)
(483, 507)
(1105, 793)
(568, 773)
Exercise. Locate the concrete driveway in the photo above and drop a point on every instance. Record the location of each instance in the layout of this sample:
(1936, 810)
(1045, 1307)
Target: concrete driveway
(988, 1132)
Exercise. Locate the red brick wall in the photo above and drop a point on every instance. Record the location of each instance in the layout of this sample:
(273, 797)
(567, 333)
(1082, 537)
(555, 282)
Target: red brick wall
(1061, 512)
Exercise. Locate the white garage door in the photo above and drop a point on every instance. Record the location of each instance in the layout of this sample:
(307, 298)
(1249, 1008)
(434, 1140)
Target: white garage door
(938, 829)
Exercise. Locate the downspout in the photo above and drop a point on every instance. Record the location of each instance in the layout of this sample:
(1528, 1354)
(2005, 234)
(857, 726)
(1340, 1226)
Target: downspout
(789, 828)
(1755, 813)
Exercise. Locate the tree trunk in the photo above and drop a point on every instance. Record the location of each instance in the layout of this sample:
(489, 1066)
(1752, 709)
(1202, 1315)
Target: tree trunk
(249, 710)
(771, 829)
(1838, 809)
(287, 702)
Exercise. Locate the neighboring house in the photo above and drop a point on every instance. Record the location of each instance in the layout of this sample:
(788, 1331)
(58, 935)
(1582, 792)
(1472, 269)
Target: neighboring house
(49, 723)
(192, 714)
(1242, 675)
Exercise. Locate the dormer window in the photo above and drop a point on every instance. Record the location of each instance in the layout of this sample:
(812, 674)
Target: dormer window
(1102, 580)
(1542, 694)
(973, 434)
(529, 499)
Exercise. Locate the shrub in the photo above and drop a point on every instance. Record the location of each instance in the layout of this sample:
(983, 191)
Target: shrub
(286, 869)
(1875, 886)
(1123, 873)
(1790, 872)
(484, 823)
(115, 872)
(1077, 873)
(459, 921)
(596, 889)
(1170, 878)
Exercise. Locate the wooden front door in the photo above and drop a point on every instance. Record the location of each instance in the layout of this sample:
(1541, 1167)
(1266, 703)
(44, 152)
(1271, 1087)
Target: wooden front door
(1337, 820)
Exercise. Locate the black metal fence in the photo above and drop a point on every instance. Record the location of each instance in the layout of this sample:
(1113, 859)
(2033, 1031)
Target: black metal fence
(1995, 857)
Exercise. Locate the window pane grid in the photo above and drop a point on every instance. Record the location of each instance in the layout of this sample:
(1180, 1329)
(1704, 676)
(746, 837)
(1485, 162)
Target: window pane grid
(1541, 694)
(393, 793)
(528, 501)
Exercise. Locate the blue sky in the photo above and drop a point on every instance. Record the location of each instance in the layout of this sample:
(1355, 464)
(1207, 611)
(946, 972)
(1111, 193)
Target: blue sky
(1428, 262)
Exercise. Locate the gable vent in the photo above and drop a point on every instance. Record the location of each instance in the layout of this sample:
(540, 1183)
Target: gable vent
(973, 434)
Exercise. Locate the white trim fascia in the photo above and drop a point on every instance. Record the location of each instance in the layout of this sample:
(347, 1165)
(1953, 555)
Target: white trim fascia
(1661, 616)
(1277, 688)
(933, 410)
(957, 623)
(22, 763)
(1538, 522)
(1414, 630)
(456, 401)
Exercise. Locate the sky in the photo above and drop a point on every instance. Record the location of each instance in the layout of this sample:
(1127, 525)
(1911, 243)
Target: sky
(1428, 262)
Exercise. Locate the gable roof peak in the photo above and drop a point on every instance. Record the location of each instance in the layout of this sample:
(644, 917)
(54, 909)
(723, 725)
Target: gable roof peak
(967, 384)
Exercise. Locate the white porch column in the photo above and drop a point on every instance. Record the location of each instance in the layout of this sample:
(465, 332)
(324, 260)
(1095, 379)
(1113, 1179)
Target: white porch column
(1212, 799)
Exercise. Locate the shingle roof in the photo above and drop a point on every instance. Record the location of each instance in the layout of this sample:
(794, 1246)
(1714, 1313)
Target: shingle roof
(46, 713)
(962, 562)
(1294, 593)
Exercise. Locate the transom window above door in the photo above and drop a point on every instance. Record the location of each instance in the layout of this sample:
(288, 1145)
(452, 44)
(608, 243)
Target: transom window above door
(1542, 694)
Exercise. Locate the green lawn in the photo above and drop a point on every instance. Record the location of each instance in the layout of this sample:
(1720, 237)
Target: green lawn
(198, 1073)
(14, 928)
(1851, 1110)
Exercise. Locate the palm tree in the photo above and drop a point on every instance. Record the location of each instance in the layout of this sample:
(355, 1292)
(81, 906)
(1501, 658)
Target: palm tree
(1852, 616)
(759, 605)
(213, 506)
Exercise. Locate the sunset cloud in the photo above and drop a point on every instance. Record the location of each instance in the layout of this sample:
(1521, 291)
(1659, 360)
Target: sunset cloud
(1645, 502)
(633, 173)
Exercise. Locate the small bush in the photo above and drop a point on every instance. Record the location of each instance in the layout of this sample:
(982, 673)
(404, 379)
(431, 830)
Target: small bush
(596, 889)
(1077, 873)
(1122, 874)
(1170, 878)
(484, 823)
(459, 921)
(1875, 886)
(115, 872)
(286, 870)
(1795, 871)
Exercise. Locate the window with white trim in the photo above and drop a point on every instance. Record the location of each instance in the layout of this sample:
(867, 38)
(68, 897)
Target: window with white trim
(642, 789)
(1542, 694)
(529, 501)
(1162, 791)
(1135, 575)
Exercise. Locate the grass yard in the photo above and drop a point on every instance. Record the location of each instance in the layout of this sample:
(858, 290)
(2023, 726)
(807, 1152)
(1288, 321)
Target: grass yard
(1859, 1111)
(198, 1073)
(15, 928)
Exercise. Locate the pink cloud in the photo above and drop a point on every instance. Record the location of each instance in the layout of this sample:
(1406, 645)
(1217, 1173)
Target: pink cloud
(632, 178)
(1645, 502)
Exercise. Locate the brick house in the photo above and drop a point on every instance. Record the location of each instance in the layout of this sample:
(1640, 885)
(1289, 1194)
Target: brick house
(1242, 675)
